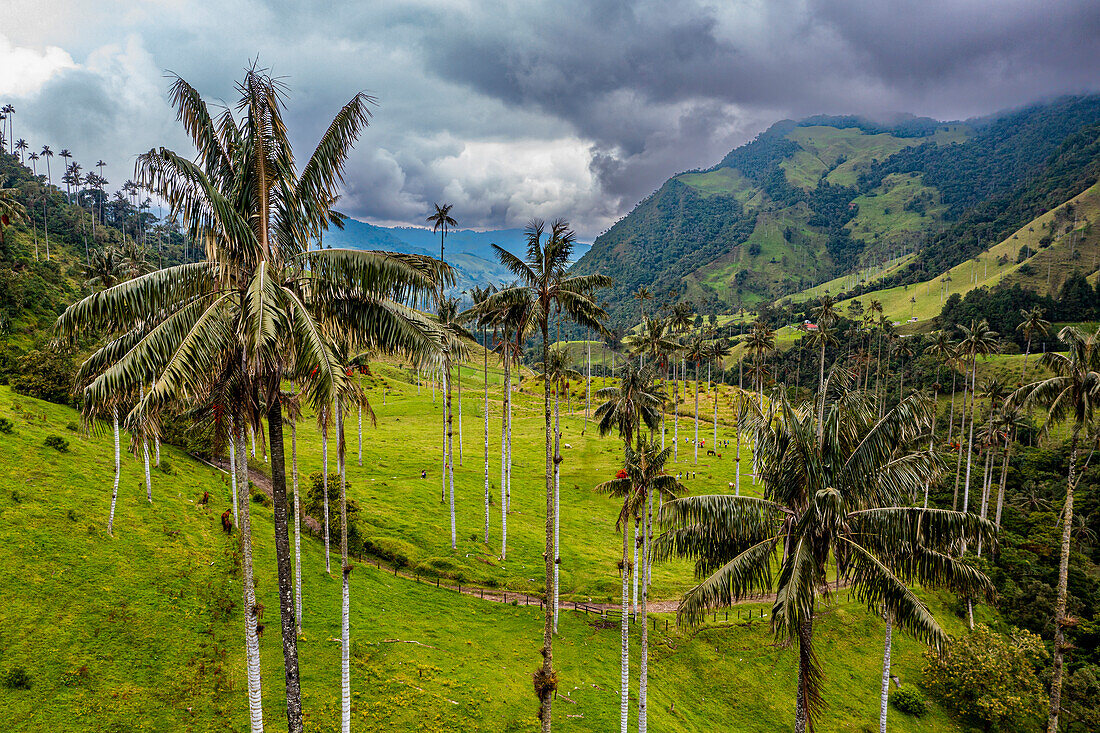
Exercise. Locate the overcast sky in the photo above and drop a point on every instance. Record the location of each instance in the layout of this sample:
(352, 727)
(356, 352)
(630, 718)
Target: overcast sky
(574, 108)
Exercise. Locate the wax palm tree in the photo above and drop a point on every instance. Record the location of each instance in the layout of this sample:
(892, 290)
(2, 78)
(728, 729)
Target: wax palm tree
(483, 322)
(628, 408)
(545, 286)
(66, 154)
(261, 302)
(696, 352)
(977, 340)
(1032, 324)
(441, 220)
(644, 477)
(453, 346)
(719, 350)
(47, 154)
(558, 370)
(903, 351)
(21, 145)
(832, 497)
(11, 212)
(1071, 394)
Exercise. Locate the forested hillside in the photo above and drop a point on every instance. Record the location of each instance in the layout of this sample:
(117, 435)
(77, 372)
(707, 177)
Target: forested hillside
(808, 201)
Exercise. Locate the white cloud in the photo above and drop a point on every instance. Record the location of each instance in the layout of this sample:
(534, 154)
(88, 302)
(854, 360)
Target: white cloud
(25, 70)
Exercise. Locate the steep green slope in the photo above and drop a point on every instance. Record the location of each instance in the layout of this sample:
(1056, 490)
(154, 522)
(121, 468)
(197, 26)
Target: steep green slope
(142, 631)
(1039, 256)
(842, 199)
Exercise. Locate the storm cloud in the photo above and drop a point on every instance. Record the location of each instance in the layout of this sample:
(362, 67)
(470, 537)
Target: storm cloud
(519, 109)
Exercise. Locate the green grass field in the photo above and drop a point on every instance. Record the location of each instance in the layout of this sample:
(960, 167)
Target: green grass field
(142, 631)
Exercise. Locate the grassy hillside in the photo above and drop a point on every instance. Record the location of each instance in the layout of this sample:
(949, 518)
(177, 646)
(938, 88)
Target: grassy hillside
(833, 202)
(141, 631)
(1040, 255)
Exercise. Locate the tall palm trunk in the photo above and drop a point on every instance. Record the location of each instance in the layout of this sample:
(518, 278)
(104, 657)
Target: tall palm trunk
(251, 640)
(504, 454)
(675, 414)
(696, 413)
(287, 615)
(624, 628)
(359, 411)
(485, 374)
(345, 571)
(145, 455)
(546, 689)
(450, 443)
(715, 388)
(970, 440)
(587, 381)
(643, 667)
(557, 504)
(821, 388)
(962, 430)
(324, 484)
(1063, 579)
(805, 664)
(1004, 477)
(634, 581)
(297, 525)
(118, 474)
(233, 473)
(885, 695)
(459, 380)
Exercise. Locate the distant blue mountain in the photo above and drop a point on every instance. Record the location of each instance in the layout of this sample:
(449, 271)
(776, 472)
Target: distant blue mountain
(468, 251)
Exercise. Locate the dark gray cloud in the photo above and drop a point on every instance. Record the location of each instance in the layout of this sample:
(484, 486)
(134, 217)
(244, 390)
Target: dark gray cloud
(513, 109)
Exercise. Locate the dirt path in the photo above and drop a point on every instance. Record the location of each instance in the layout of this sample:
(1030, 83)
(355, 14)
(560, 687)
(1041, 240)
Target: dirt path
(492, 595)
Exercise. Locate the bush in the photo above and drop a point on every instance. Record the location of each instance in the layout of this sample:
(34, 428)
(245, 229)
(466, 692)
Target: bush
(258, 496)
(5, 426)
(46, 375)
(57, 443)
(909, 700)
(165, 467)
(72, 427)
(16, 678)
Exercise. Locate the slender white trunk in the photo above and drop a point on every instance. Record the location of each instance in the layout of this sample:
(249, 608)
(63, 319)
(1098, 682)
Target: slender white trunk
(118, 474)
(624, 655)
(1004, 476)
(156, 445)
(970, 440)
(233, 472)
(643, 671)
(297, 525)
(324, 487)
(557, 503)
(450, 447)
(252, 439)
(504, 461)
(486, 377)
(634, 592)
(885, 675)
(360, 416)
(148, 476)
(459, 379)
(715, 388)
(509, 498)
(675, 415)
(345, 569)
(696, 413)
(251, 640)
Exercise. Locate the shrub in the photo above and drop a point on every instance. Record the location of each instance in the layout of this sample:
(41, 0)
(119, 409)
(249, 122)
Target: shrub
(258, 496)
(165, 467)
(909, 700)
(16, 678)
(5, 426)
(57, 443)
(46, 375)
(990, 678)
(72, 427)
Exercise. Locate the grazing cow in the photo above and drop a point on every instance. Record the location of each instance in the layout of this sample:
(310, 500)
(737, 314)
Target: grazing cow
(710, 452)
(227, 521)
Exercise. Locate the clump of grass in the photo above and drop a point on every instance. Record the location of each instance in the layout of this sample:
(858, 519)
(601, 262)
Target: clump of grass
(16, 678)
(5, 426)
(57, 443)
